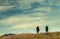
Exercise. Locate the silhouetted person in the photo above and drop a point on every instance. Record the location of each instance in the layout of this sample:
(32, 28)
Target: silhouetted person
(37, 29)
(46, 28)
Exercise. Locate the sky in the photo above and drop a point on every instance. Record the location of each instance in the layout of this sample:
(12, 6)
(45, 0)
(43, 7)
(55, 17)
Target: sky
(22, 16)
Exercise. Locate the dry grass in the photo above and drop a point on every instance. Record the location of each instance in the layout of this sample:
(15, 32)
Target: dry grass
(53, 35)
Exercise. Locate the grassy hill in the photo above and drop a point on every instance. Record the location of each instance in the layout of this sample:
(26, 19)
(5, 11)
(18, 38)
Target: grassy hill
(52, 35)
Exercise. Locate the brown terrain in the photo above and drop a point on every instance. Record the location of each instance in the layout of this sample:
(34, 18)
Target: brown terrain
(52, 35)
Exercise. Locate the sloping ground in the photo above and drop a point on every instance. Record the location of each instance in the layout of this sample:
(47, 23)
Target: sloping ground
(53, 35)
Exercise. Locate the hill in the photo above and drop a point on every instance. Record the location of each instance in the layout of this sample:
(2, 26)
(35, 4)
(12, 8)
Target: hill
(52, 35)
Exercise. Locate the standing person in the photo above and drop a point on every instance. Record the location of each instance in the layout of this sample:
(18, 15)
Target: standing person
(46, 28)
(37, 29)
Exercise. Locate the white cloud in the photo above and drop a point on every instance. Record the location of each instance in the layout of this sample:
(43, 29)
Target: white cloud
(24, 25)
(28, 24)
(24, 21)
(24, 18)
(38, 14)
(57, 3)
(18, 19)
(4, 8)
(54, 2)
(26, 4)
(43, 9)
(29, 1)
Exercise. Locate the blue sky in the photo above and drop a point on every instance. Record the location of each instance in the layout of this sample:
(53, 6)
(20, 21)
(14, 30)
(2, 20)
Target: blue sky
(22, 16)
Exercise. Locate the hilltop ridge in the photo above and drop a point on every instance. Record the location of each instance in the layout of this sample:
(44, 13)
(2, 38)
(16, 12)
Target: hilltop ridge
(50, 35)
